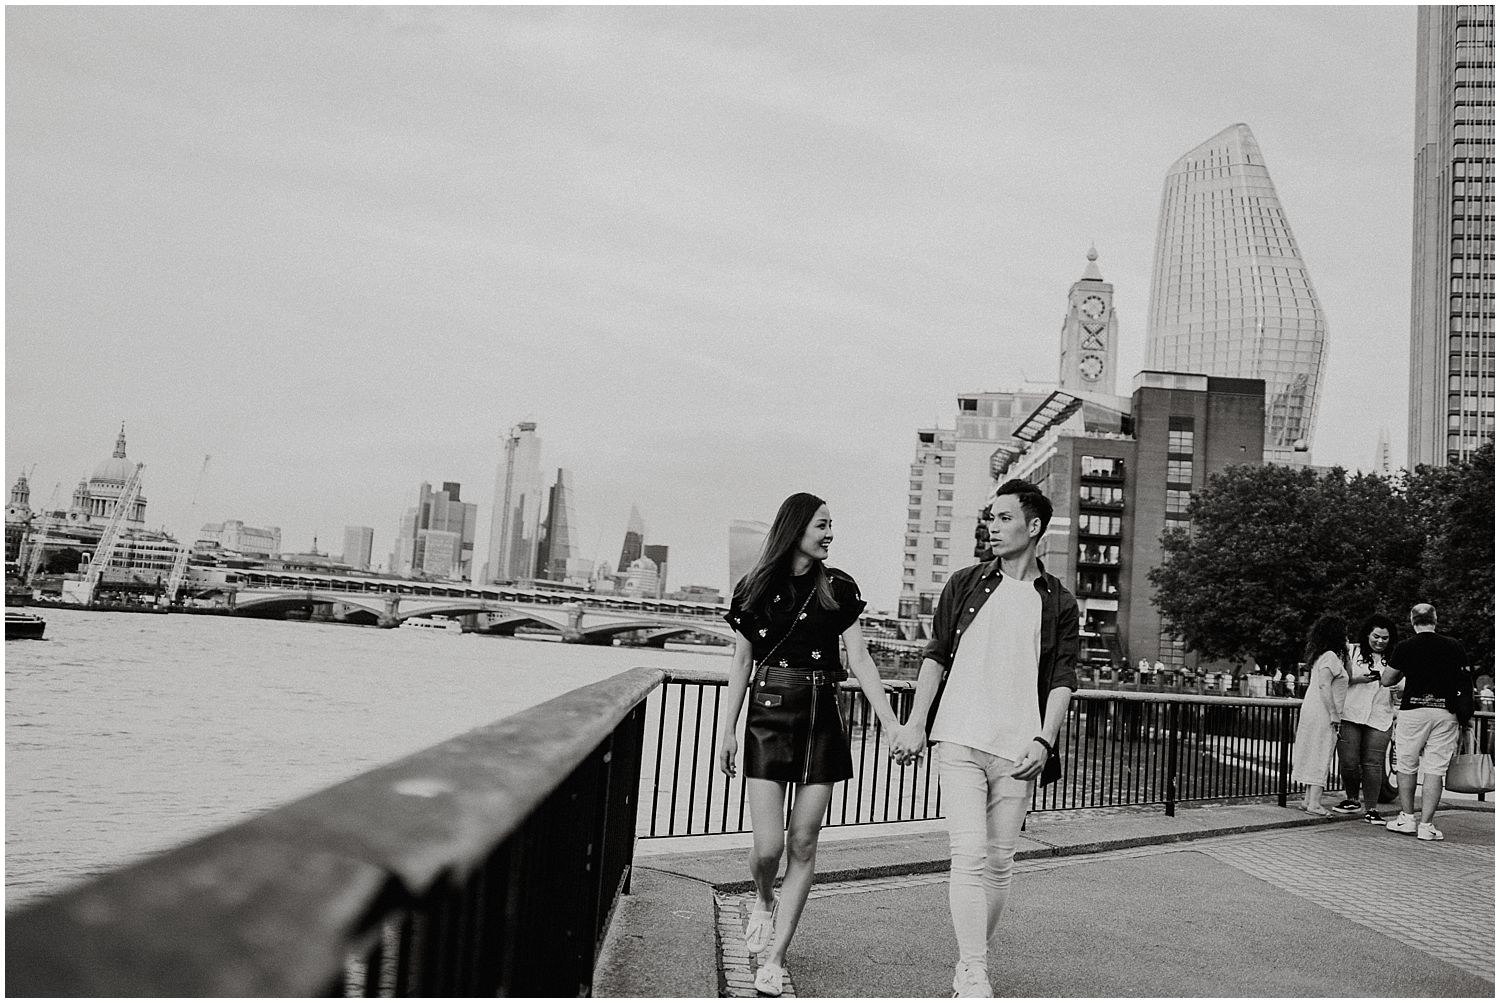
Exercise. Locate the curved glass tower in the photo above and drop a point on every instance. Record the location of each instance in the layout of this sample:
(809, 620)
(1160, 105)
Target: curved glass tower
(1230, 295)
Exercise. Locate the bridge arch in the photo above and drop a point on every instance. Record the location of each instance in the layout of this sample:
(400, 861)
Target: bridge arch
(295, 600)
(656, 628)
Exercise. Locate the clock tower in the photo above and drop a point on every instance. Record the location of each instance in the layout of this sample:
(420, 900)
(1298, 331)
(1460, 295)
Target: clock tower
(1089, 334)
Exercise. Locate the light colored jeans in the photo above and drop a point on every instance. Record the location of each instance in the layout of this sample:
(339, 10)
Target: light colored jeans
(985, 809)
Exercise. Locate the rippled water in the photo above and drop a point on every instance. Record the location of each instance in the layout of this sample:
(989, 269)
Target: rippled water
(129, 733)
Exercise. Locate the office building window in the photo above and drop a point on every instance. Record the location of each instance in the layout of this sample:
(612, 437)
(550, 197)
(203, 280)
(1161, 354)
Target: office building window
(945, 510)
(945, 478)
(1100, 494)
(945, 495)
(1180, 443)
(1099, 525)
(939, 560)
(916, 485)
(913, 513)
(939, 544)
(942, 527)
(1102, 466)
(914, 500)
(1179, 471)
(1178, 501)
(939, 576)
(1173, 649)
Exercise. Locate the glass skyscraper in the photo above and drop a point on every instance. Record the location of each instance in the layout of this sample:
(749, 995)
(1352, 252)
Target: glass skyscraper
(1230, 295)
(1452, 402)
(517, 513)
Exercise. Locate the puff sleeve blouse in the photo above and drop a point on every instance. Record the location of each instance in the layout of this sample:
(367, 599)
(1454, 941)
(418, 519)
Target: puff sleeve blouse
(811, 641)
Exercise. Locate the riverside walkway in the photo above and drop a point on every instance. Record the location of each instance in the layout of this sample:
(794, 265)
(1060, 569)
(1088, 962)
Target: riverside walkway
(1225, 899)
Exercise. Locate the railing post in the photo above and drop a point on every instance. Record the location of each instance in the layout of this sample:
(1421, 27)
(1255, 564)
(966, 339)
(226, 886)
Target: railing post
(1172, 758)
(1284, 758)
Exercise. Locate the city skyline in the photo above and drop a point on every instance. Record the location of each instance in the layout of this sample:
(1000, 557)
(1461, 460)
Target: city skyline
(813, 247)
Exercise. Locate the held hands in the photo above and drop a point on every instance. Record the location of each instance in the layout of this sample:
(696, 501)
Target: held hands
(1030, 765)
(908, 743)
(728, 749)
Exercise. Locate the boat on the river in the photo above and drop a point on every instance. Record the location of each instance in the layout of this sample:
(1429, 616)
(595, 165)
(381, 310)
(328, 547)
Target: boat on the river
(23, 626)
(434, 624)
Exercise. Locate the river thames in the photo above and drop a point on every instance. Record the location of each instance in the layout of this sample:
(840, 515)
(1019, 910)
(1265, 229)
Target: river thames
(127, 733)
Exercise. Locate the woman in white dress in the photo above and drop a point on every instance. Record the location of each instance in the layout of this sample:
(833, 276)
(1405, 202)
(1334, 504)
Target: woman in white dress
(1322, 708)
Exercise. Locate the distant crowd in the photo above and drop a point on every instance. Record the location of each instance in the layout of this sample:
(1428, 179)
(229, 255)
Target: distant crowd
(1362, 696)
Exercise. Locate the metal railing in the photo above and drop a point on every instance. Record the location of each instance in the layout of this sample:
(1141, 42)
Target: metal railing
(487, 865)
(1119, 748)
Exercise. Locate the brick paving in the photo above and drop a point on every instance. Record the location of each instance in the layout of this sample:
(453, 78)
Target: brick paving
(730, 914)
(1438, 898)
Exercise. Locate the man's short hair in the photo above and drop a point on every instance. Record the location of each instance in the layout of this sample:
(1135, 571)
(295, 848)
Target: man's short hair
(1033, 502)
(1424, 614)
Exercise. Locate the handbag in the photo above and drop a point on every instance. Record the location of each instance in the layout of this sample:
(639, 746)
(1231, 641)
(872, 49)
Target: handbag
(758, 676)
(1470, 772)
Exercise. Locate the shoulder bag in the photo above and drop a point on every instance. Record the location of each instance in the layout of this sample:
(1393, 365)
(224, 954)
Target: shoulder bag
(759, 675)
(1470, 772)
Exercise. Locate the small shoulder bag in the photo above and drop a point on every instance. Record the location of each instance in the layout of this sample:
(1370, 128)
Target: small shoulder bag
(759, 675)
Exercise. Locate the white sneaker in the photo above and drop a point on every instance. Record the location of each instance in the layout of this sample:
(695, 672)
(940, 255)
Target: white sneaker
(971, 981)
(1402, 823)
(759, 930)
(1427, 830)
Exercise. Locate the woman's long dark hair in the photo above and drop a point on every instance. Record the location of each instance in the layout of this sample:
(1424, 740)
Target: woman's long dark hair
(1328, 634)
(1366, 654)
(775, 564)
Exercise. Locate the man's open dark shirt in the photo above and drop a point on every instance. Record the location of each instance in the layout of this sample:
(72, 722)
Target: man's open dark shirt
(966, 593)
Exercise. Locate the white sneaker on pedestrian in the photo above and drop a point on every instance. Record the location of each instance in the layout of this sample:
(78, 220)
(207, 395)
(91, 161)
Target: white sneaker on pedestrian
(1403, 822)
(759, 930)
(971, 982)
(1428, 831)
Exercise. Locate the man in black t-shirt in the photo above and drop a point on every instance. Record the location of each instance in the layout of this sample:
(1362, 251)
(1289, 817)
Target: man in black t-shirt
(1427, 726)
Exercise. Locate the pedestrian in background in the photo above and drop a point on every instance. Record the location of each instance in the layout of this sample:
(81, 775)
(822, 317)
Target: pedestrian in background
(1368, 716)
(790, 613)
(1436, 706)
(1322, 708)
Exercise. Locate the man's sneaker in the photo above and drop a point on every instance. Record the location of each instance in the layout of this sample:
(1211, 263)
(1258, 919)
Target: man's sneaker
(1428, 831)
(1402, 823)
(1374, 817)
(971, 981)
(1347, 807)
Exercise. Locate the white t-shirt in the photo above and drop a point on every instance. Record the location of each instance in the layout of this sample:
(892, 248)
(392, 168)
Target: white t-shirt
(990, 702)
(1369, 703)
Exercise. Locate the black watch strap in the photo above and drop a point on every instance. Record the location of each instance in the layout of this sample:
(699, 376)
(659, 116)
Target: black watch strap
(1051, 752)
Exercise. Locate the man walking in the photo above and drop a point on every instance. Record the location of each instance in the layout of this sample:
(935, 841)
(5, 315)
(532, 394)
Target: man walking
(1004, 696)
(1437, 703)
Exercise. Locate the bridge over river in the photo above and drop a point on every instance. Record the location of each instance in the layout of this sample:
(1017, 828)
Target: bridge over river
(579, 617)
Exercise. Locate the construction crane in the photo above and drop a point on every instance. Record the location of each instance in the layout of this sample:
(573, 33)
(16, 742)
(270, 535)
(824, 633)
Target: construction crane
(185, 545)
(34, 564)
(109, 540)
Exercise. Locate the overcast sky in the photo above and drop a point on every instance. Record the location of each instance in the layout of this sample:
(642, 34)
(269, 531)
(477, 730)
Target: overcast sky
(717, 254)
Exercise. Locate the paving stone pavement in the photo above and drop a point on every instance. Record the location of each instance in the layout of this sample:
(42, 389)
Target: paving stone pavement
(1436, 897)
(730, 915)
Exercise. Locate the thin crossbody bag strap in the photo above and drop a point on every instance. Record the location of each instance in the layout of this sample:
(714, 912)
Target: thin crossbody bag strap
(760, 669)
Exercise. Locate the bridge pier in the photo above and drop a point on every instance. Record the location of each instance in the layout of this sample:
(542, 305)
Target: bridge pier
(391, 616)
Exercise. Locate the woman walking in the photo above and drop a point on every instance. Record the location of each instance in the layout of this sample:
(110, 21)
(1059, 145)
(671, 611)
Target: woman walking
(1368, 717)
(1322, 707)
(790, 612)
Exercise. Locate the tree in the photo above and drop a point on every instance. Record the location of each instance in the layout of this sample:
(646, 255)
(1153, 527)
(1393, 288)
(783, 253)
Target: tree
(1455, 507)
(1271, 548)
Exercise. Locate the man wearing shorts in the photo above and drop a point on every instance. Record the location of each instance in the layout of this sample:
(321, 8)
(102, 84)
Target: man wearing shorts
(1427, 727)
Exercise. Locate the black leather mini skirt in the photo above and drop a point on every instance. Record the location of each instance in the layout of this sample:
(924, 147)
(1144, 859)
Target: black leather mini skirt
(794, 728)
